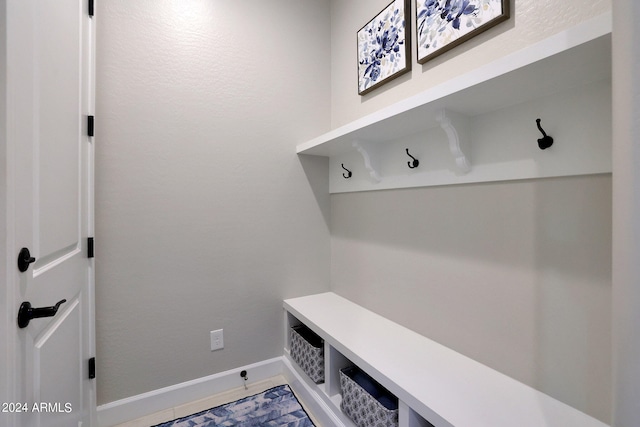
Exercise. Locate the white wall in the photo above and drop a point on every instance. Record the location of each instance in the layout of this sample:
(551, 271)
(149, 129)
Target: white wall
(516, 275)
(205, 216)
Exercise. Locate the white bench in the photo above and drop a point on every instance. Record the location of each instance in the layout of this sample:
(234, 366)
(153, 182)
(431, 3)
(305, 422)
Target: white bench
(432, 382)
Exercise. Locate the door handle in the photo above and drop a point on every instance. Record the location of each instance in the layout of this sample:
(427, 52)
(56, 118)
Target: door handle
(26, 312)
(24, 259)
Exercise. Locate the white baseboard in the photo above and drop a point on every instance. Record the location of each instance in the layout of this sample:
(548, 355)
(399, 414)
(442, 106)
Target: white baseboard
(134, 407)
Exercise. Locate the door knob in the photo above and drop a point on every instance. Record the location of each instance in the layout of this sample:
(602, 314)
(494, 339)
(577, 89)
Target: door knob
(24, 259)
(26, 312)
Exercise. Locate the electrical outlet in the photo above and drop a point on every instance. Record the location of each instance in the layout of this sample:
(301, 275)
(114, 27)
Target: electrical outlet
(217, 340)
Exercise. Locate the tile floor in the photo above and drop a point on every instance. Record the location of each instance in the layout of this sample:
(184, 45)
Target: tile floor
(210, 402)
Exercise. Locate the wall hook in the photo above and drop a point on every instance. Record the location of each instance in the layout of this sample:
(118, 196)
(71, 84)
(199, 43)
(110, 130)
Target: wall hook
(414, 163)
(348, 174)
(546, 141)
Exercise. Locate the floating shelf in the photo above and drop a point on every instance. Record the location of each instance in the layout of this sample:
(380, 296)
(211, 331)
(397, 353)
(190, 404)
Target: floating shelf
(481, 126)
(435, 385)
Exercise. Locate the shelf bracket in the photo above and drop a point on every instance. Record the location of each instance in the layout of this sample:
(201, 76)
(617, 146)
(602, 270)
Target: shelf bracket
(455, 125)
(369, 160)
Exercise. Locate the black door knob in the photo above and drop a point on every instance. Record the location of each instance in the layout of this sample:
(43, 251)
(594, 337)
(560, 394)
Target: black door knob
(24, 259)
(26, 312)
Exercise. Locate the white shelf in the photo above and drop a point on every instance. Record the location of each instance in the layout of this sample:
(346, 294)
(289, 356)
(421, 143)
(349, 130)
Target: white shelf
(432, 382)
(570, 61)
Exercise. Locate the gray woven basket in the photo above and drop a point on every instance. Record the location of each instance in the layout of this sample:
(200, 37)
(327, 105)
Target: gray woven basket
(362, 408)
(307, 356)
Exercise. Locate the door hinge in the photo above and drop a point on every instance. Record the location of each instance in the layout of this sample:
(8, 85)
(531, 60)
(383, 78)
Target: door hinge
(90, 11)
(90, 252)
(92, 368)
(90, 120)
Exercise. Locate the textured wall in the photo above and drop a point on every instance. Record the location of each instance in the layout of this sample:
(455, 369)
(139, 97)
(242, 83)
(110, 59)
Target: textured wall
(516, 275)
(205, 216)
(626, 213)
(530, 22)
(5, 321)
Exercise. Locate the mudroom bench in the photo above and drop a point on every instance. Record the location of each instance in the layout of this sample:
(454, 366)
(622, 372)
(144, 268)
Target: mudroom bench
(434, 384)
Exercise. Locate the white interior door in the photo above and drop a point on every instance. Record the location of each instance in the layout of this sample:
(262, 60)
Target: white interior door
(50, 95)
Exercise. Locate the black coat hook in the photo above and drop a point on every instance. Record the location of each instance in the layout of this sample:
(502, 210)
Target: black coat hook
(414, 163)
(348, 174)
(546, 141)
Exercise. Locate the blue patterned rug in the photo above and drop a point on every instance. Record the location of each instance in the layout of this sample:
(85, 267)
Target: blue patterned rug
(277, 406)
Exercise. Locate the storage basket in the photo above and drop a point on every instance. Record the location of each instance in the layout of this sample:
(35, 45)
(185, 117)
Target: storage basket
(365, 401)
(307, 350)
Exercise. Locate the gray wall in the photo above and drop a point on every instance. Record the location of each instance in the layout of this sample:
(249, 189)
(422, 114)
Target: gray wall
(516, 275)
(205, 216)
(530, 22)
(5, 295)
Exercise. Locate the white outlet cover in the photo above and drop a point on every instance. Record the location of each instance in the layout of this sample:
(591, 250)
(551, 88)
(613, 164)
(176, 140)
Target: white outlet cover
(217, 340)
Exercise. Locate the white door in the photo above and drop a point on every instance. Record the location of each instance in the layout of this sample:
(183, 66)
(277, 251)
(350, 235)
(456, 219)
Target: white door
(50, 188)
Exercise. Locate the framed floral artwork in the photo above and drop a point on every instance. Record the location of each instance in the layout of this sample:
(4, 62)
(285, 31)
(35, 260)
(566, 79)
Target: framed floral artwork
(384, 46)
(443, 24)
